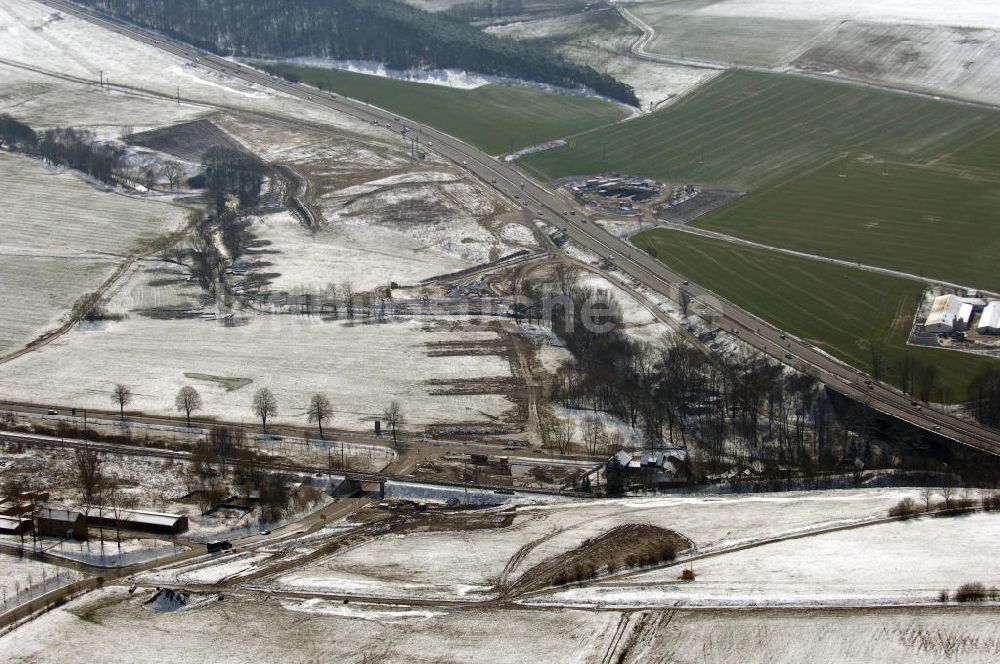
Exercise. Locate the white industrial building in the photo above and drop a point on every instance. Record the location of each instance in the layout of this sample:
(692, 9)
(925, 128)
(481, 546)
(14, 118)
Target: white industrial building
(989, 321)
(948, 314)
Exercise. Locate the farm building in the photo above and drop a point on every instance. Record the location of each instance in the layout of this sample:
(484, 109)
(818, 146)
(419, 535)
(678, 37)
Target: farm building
(949, 313)
(15, 507)
(989, 321)
(61, 523)
(653, 470)
(14, 526)
(150, 522)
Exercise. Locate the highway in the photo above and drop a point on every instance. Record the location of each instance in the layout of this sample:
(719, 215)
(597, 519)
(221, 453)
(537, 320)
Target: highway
(554, 209)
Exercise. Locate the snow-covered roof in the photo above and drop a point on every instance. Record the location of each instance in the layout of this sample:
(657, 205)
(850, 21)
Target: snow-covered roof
(58, 515)
(990, 318)
(657, 460)
(964, 313)
(946, 310)
(135, 516)
(10, 522)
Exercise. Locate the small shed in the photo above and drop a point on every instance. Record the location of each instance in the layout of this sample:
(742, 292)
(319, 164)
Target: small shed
(15, 507)
(14, 526)
(61, 523)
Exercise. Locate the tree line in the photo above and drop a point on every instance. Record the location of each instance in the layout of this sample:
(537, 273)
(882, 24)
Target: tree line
(80, 150)
(741, 411)
(264, 406)
(386, 31)
(64, 146)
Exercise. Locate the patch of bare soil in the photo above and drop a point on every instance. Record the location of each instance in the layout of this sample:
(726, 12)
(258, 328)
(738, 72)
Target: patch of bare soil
(626, 546)
(461, 348)
(231, 383)
(188, 140)
(431, 521)
(450, 470)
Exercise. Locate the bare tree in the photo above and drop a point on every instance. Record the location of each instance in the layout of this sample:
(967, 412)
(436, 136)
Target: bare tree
(614, 442)
(347, 292)
(119, 503)
(906, 368)
(188, 400)
(150, 175)
(879, 361)
(593, 435)
(319, 410)
(265, 405)
(948, 493)
(927, 493)
(88, 472)
(331, 303)
(173, 171)
(394, 419)
(560, 435)
(121, 395)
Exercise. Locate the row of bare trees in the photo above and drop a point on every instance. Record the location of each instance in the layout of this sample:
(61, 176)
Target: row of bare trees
(264, 405)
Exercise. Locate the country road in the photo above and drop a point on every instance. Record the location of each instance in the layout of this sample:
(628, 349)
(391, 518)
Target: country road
(732, 239)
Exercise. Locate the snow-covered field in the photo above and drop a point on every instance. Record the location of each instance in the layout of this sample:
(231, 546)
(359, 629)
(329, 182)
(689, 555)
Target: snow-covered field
(956, 61)
(60, 238)
(467, 563)
(308, 630)
(214, 570)
(303, 631)
(109, 553)
(893, 563)
(969, 13)
(923, 44)
(33, 34)
(368, 257)
(384, 217)
(362, 367)
(438, 210)
(401, 228)
(24, 578)
(637, 321)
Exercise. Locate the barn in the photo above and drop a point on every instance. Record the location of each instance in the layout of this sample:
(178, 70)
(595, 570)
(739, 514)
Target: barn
(143, 520)
(989, 321)
(949, 313)
(61, 523)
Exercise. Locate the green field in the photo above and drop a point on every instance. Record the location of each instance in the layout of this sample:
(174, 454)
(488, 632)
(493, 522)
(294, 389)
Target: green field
(745, 129)
(839, 309)
(926, 221)
(494, 118)
(982, 154)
